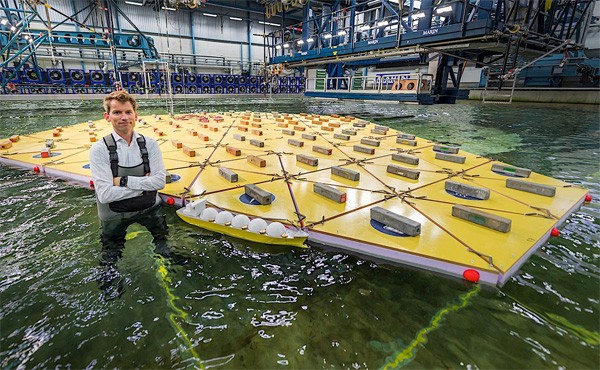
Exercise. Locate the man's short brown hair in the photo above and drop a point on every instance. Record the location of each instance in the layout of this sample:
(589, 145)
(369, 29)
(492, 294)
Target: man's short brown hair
(120, 96)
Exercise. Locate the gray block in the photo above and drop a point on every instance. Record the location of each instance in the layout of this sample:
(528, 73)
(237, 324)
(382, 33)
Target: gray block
(397, 222)
(363, 149)
(379, 131)
(295, 142)
(468, 190)
(349, 132)
(311, 161)
(445, 149)
(408, 142)
(239, 137)
(369, 142)
(257, 143)
(309, 137)
(531, 187)
(289, 132)
(330, 192)
(481, 218)
(260, 195)
(450, 157)
(228, 174)
(345, 173)
(405, 158)
(341, 136)
(406, 136)
(403, 171)
(511, 170)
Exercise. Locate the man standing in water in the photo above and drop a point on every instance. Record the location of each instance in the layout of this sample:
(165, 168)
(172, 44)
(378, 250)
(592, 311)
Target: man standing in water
(128, 171)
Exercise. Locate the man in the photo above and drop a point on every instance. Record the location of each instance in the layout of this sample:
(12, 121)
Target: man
(128, 171)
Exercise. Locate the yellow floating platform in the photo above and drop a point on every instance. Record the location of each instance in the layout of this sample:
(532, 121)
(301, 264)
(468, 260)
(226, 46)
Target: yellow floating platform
(349, 183)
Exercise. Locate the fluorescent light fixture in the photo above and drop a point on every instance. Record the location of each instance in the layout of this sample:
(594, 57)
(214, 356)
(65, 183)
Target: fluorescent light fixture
(418, 15)
(270, 24)
(375, 2)
(30, 40)
(286, 45)
(341, 33)
(278, 47)
(417, 4)
(210, 15)
(310, 39)
(4, 21)
(167, 8)
(382, 23)
(13, 28)
(327, 36)
(300, 42)
(134, 3)
(26, 37)
(443, 9)
(235, 19)
(364, 27)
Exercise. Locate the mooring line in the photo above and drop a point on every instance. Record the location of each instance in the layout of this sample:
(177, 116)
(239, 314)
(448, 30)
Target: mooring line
(408, 354)
(178, 312)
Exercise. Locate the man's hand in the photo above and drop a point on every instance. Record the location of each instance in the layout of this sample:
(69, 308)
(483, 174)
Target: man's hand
(116, 181)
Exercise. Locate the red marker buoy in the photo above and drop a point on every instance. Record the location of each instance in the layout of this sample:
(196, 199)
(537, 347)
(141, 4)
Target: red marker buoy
(36, 169)
(588, 198)
(471, 275)
(555, 232)
(92, 184)
(170, 201)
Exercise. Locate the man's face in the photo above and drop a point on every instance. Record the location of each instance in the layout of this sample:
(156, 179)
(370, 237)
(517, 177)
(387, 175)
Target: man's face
(122, 117)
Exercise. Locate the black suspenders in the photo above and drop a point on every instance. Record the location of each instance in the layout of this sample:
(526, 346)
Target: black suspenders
(110, 143)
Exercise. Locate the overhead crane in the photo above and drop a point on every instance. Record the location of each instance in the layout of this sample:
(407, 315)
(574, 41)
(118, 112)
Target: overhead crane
(339, 34)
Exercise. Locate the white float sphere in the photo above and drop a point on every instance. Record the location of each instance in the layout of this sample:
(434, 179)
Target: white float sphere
(208, 214)
(275, 229)
(223, 217)
(239, 221)
(257, 224)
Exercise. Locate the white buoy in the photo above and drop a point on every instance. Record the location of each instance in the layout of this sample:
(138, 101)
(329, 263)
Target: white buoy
(240, 221)
(275, 229)
(208, 214)
(224, 217)
(256, 225)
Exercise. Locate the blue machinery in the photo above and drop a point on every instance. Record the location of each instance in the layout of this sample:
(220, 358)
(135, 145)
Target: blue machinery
(344, 34)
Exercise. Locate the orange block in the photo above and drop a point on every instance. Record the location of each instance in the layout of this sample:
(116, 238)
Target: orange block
(177, 144)
(45, 153)
(232, 150)
(282, 125)
(242, 128)
(213, 129)
(203, 137)
(333, 124)
(257, 161)
(189, 151)
(56, 133)
(92, 138)
(256, 132)
(299, 128)
(326, 128)
(5, 144)
(14, 138)
(257, 125)
(192, 132)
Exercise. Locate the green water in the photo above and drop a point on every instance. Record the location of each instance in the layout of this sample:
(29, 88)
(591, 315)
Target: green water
(243, 306)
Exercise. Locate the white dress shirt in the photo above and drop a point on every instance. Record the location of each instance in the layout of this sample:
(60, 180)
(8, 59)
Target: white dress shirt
(129, 156)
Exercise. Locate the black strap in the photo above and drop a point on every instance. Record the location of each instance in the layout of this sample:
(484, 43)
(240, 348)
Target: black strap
(142, 144)
(110, 143)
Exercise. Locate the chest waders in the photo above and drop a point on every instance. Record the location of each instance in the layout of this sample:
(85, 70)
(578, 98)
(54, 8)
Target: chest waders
(127, 207)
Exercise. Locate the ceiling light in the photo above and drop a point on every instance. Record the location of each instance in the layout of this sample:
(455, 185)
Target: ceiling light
(4, 21)
(134, 3)
(269, 23)
(341, 33)
(310, 39)
(418, 15)
(167, 8)
(13, 28)
(364, 28)
(443, 9)
(235, 19)
(327, 36)
(382, 23)
(210, 15)
(300, 42)
(286, 45)
(278, 47)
